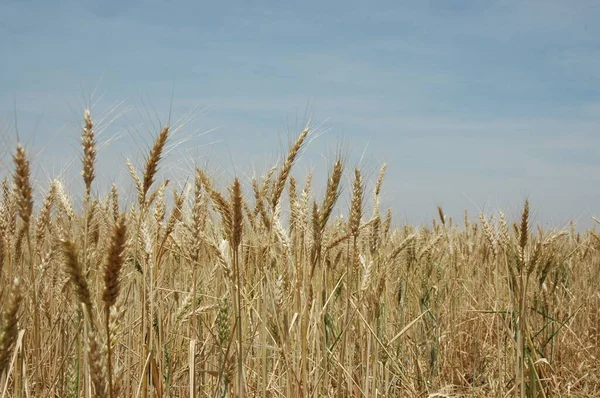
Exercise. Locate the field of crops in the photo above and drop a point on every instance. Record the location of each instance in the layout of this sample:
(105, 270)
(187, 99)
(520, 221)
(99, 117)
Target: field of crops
(262, 288)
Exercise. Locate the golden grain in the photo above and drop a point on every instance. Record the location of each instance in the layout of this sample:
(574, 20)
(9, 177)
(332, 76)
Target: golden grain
(324, 301)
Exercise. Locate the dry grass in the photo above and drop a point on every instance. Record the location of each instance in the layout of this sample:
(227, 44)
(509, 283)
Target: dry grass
(240, 292)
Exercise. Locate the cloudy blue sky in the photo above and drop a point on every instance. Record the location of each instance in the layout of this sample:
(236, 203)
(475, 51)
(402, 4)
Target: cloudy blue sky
(473, 104)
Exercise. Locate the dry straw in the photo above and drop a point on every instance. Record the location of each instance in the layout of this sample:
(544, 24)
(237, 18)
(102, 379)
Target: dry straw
(339, 305)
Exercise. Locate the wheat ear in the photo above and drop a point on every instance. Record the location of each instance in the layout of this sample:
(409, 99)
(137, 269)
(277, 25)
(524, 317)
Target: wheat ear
(331, 194)
(287, 167)
(356, 205)
(153, 160)
(523, 234)
(220, 203)
(114, 263)
(89, 151)
(8, 337)
(23, 185)
(73, 269)
(96, 368)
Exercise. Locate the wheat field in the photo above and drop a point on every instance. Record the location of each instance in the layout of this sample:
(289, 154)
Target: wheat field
(262, 288)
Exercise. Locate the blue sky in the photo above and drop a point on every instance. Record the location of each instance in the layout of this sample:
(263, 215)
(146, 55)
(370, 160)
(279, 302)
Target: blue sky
(473, 104)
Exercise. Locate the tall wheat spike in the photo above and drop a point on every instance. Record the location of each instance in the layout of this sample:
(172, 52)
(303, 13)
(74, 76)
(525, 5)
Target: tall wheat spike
(235, 239)
(287, 167)
(331, 194)
(237, 216)
(153, 159)
(356, 204)
(89, 151)
(23, 185)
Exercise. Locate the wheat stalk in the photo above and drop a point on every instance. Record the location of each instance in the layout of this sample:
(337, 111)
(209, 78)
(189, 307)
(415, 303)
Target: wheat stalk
(112, 270)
